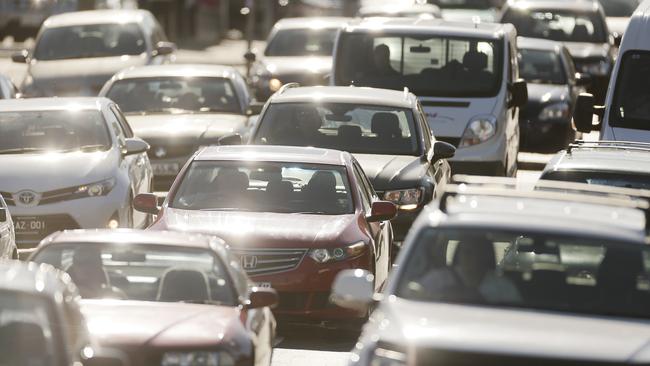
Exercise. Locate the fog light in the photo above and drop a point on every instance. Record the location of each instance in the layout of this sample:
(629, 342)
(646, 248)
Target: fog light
(113, 224)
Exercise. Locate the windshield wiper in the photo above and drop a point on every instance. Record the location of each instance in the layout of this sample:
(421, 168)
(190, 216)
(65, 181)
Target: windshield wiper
(207, 302)
(22, 150)
(225, 209)
(166, 110)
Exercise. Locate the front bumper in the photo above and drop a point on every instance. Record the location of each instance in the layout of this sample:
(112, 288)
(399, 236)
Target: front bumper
(488, 158)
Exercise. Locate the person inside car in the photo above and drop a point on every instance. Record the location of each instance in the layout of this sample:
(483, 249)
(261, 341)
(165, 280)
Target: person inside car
(382, 61)
(87, 272)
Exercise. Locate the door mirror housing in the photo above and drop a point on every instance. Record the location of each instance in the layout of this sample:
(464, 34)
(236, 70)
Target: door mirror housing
(233, 139)
(382, 211)
(260, 297)
(20, 57)
(250, 56)
(442, 150)
(164, 48)
(583, 79)
(134, 146)
(583, 116)
(519, 93)
(146, 203)
(353, 289)
(255, 108)
(3, 214)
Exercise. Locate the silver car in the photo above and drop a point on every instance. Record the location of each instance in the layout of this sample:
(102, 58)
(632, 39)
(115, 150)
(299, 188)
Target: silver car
(8, 247)
(76, 53)
(69, 163)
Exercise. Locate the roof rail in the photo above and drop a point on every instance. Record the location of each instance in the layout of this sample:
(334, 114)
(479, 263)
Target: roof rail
(287, 86)
(406, 93)
(626, 145)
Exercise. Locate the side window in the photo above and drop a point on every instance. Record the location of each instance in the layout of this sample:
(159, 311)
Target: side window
(428, 136)
(124, 124)
(363, 191)
(117, 129)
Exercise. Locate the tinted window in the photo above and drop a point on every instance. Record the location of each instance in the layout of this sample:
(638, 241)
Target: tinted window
(427, 65)
(302, 42)
(602, 178)
(93, 40)
(631, 104)
(27, 131)
(265, 187)
(528, 270)
(541, 67)
(619, 8)
(169, 95)
(339, 126)
(143, 273)
(560, 26)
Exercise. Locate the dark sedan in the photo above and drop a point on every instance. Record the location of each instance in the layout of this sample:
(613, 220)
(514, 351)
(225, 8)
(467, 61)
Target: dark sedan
(165, 298)
(553, 87)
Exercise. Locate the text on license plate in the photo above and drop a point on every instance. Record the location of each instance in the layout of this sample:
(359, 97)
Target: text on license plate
(29, 225)
(263, 284)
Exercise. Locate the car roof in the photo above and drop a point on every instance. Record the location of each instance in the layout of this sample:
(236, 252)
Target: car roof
(130, 236)
(604, 156)
(36, 279)
(53, 104)
(312, 22)
(282, 154)
(399, 8)
(346, 94)
(570, 5)
(538, 44)
(96, 17)
(177, 70)
(430, 26)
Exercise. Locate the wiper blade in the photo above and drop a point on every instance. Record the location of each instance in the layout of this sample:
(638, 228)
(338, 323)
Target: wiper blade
(225, 209)
(23, 150)
(207, 302)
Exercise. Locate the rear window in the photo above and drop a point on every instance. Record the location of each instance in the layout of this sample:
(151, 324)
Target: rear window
(302, 42)
(541, 67)
(631, 104)
(563, 26)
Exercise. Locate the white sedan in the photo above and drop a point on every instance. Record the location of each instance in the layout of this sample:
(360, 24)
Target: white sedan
(8, 247)
(69, 163)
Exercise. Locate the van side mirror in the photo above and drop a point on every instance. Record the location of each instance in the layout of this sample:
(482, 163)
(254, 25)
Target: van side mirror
(164, 48)
(583, 116)
(20, 57)
(518, 93)
(382, 211)
(233, 139)
(583, 79)
(250, 56)
(146, 203)
(353, 289)
(3, 214)
(442, 150)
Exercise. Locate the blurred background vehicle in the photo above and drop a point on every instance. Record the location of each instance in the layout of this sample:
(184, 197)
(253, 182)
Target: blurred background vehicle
(191, 303)
(179, 108)
(76, 53)
(466, 10)
(69, 163)
(23, 18)
(400, 9)
(8, 248)
(618, 13)
(553, 88)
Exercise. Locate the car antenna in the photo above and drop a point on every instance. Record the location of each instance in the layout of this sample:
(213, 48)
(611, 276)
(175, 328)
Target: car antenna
(406, 93)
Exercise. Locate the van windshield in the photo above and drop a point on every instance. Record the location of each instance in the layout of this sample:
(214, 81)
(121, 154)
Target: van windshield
(427, 65)
(631, 104)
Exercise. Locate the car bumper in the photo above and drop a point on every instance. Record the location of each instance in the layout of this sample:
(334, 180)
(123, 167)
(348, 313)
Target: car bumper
(488, 158)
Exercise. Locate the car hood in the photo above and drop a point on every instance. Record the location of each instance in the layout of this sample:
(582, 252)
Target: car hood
(547, 93)
(141, 323)
(392, 171)
(279, 66)
(618, 24)
(44, 172)
(581, 50)
(242, 229)
(186, 126)
(511, 332)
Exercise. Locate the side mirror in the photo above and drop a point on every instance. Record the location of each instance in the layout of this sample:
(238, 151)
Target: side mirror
(353, 289)
(583, 79)
(382, 211)
(442, 150)
(255, 108)
(147, 203)
(250, 56)
(519, 93)
(164, 48)
(20, 57)
(259, 297)
(233, 139)
(134, 146)
(583, 116)
(3, 214)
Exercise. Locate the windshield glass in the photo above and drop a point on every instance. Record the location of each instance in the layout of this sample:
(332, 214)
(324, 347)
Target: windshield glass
(427, 65)
(142, 272)
(37, 131)
(302, 42)
(541, 67)
(92, 40)
(631, 104)
(348, 127)
(467, 4)
(27, 331)
(602, 178)
(265, 187)
(175, 95)
(528, 270)
(556, 25)
(619, 8)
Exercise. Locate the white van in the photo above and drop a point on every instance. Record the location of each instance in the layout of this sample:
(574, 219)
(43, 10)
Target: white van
(626, 114)
(464, 74)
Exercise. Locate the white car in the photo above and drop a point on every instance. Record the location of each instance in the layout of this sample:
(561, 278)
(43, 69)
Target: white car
(8, 247)
(69, 163)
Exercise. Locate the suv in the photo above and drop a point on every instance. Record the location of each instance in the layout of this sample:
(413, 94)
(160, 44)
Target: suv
(489, 259)
(385, 130)
(464, 74)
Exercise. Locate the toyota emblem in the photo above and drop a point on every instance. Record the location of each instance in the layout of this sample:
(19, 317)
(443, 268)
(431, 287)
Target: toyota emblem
(27, 198)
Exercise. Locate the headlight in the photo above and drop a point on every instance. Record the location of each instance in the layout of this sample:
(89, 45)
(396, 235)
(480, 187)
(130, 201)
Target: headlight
(384, 357)
(554, 111)
(275, 85)
(197, 359)
(598, 68)
(479, 130)
(326, 255)
(405, 199)
(98, 189)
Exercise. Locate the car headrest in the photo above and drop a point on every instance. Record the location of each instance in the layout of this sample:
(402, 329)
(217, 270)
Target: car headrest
(385, 124)
(580, 31)
(349, 132)
(474, 60)
(279, 189)
(322, 181)
(181, 284)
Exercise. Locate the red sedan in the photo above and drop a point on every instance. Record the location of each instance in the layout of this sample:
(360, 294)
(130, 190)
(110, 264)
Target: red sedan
(294, 216)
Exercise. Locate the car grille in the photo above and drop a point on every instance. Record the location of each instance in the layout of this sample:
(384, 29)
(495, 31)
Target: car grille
(259, 262)
(8, 197)
(58, 195)
(450, 140)
(29, 236)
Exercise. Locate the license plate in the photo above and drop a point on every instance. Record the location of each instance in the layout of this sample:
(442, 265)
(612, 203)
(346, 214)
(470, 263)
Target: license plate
(29, 225)
(263, 284)
(165, 168)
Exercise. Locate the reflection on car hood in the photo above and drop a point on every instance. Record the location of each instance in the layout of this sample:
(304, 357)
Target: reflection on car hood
(392, 171)
(270, 229)
(545, 93)
(279, 66)
(157, 324)
(580, 50)
(44, 172)
(511, 331)
(188, 126)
